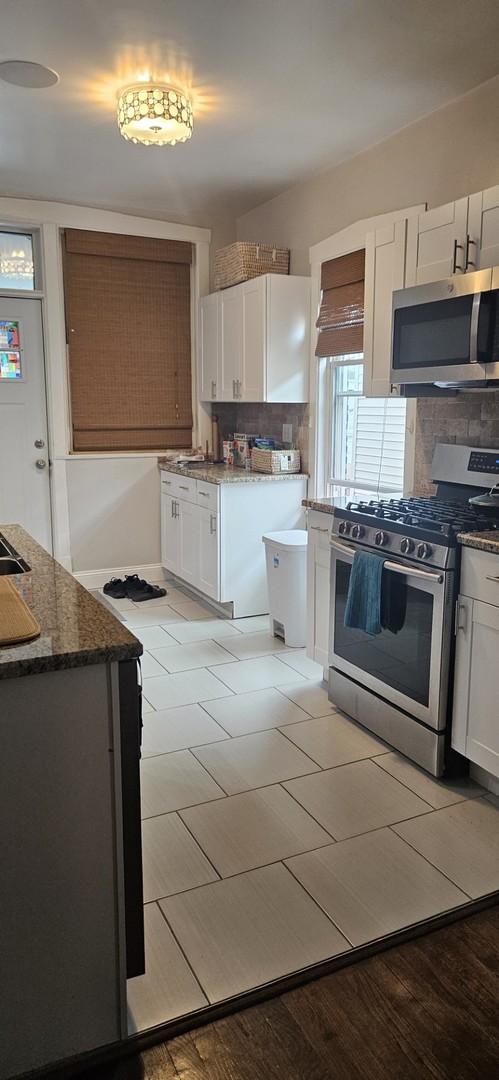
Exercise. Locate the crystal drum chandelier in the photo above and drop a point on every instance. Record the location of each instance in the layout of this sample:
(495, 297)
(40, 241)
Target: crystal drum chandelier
(154, 114)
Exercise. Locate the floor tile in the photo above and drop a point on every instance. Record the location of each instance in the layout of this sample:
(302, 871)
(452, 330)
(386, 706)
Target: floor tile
(332, 740)
(157, 616)
(171, 596)
(123, 604)
(373, 885)
(150, 666)
(252, 623)
(300, 662)
(494, 799)
(190, 609)
(253, 674)
(166, 730)
(242, 714)
(252, 761)
(168, 988)
(173, 862)
(217, 629)
(153, 637)
(253, 829)
(183, 688)
(247, 930)
(437, 793)
(462, 841)
(245, 646)
(309, 696)
(173, 781)
(355, 798)
(197, 654)
(146, 706)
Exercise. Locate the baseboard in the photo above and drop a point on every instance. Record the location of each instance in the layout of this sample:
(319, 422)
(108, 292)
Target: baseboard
(485, 778)
(95, 579)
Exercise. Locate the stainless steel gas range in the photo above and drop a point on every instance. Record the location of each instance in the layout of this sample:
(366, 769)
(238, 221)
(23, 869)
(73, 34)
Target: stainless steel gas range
(398, 681)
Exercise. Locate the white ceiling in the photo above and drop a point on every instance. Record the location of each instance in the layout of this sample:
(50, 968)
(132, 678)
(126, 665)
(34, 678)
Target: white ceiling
(282, 89)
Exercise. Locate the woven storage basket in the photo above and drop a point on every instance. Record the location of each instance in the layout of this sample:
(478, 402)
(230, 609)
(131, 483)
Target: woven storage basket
(275, 461)
(242, 261)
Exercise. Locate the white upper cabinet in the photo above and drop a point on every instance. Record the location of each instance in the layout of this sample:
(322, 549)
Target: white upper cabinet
(261, 338)
(384, 272)
(456, 238)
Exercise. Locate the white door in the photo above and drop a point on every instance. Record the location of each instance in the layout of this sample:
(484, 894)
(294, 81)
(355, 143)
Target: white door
(208, 361)
(254, 340)
(169, 532)
(186, 560)
(24, 475)
(436, 243)
(208, 579)
(230, 344)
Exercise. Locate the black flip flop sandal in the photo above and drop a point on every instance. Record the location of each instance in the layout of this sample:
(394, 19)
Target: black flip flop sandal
(115, 588)
(139, 590)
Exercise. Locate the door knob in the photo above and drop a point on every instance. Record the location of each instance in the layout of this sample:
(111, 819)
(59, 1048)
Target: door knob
(39, 443)
(40, 463)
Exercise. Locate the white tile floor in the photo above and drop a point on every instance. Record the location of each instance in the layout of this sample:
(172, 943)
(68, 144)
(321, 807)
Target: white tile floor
(276, 831)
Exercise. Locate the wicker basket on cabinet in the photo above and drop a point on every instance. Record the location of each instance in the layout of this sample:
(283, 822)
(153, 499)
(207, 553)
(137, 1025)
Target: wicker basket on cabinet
(242, 261)
(275, 461)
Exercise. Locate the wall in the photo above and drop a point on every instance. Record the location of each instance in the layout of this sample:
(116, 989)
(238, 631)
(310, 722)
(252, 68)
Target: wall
(266, 421)
(470, 419)
(446, 155)
(451, 153)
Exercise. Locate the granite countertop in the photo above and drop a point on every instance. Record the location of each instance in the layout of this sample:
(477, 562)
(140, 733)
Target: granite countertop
(76, 629)
(485, 541)
(220, 474)
(326, 505)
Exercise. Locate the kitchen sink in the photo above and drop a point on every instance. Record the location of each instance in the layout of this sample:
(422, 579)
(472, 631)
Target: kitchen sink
(13, 566)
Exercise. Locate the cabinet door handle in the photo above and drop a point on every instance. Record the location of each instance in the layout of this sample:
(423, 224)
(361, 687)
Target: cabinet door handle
(239, 389)
(213, 389)
(233, 388)
(468, 261)
(174, 508)
(213, 524)
(496, 579)
(457, 625)
(455, 267)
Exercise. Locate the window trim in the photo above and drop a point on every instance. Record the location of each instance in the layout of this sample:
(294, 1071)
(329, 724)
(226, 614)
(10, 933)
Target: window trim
(342, 243)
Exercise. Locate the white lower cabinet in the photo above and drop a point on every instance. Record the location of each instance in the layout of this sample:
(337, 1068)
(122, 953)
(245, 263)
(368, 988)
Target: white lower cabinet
(211, 539)
(475, 721)
(318, 563)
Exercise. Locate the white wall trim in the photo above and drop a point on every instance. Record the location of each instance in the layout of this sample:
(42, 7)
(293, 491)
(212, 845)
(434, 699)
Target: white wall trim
(67, 216)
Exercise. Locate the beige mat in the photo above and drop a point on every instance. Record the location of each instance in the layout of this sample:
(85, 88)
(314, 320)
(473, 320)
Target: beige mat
(16, 621)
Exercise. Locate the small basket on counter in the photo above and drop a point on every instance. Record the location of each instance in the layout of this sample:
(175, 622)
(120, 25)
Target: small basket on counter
(243, 261)
(275, 461)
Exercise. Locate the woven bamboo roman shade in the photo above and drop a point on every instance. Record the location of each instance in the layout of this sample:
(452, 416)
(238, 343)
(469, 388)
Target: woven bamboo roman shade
(128, 314)
(341, 316)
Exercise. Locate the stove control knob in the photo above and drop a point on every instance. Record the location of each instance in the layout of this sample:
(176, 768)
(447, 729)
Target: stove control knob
(358, 531)
(424, 551)
(406, 545)
(344, 527)
(380, 539)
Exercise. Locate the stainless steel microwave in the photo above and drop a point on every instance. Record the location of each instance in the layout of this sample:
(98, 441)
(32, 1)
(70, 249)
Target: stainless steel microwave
(446, 333)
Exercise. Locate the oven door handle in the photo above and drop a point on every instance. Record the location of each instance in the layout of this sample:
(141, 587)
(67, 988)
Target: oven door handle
(397, 568)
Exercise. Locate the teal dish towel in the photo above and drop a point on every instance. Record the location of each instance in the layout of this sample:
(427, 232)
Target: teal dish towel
(363, 606)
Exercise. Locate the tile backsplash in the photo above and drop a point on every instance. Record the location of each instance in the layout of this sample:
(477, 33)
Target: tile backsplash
(470, 419)
(266, 420)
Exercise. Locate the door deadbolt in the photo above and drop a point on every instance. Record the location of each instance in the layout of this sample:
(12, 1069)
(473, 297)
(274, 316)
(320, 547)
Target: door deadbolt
(40, 463)
(39, 443)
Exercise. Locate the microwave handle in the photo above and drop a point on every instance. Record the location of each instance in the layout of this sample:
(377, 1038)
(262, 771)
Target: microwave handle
(475, 314)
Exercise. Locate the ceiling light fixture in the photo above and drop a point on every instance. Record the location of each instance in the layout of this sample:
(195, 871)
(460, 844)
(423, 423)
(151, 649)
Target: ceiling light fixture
(154, 114)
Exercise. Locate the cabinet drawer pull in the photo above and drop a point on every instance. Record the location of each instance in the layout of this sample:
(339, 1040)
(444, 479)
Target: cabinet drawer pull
(496, 579)
(182, 487)
(455, 267)
(167, 482)
(205, 494)
(319, 528)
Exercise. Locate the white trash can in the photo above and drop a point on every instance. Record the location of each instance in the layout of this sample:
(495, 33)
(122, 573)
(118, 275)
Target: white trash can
(286, 560)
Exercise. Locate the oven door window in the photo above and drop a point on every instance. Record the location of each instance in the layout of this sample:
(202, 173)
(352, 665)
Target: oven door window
(401, 660)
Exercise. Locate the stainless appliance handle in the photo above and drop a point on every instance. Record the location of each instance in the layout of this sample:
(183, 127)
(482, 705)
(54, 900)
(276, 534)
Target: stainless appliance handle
(397, 568)
(475, 312)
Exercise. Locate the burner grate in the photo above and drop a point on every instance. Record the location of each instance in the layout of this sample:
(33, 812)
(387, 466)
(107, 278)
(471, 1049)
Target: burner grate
(445, 517)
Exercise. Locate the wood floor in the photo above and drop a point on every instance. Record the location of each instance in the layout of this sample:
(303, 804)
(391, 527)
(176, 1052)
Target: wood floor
(426, 1009)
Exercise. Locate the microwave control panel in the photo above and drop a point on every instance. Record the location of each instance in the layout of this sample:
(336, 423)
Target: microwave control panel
(483, 462)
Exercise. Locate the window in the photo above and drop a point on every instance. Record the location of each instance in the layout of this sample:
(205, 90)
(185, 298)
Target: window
(128, 314)
(16, 261)
(367, 437)
(362, 439)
